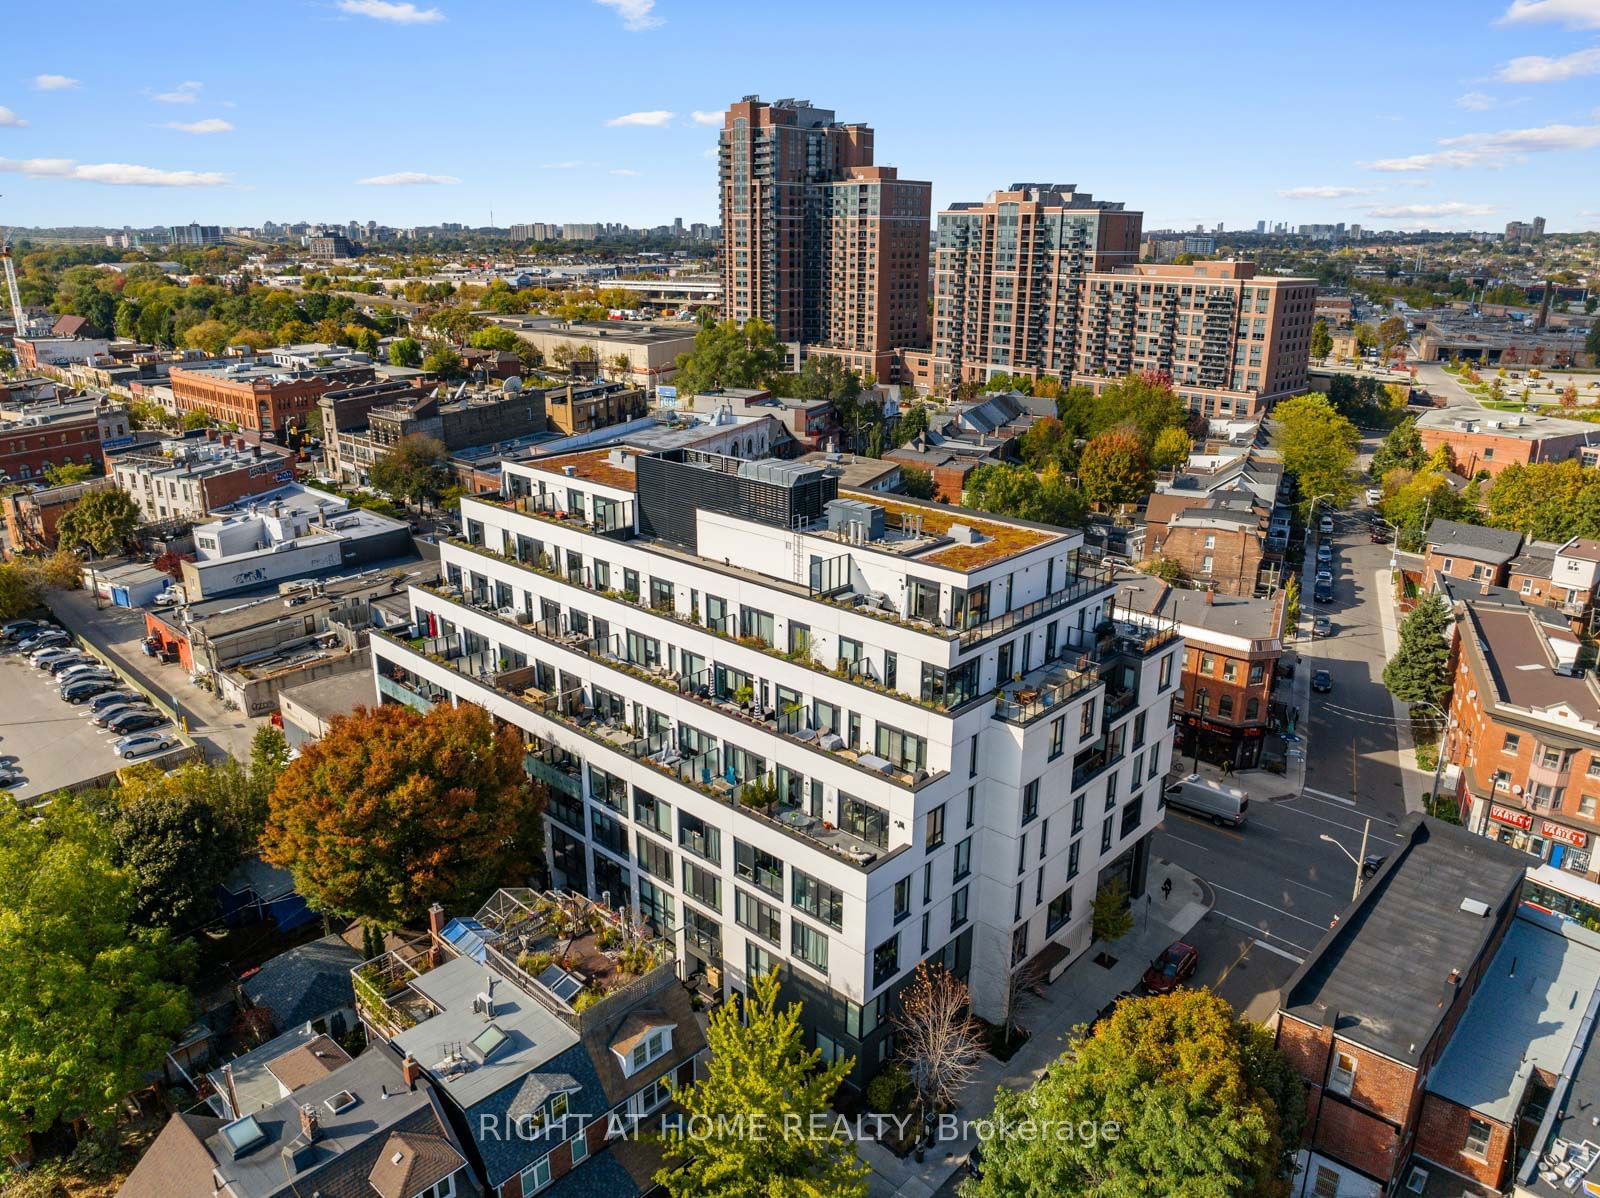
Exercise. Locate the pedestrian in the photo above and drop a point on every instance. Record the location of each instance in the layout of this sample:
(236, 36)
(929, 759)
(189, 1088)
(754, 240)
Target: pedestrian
(1227, 768)
(1166, 890)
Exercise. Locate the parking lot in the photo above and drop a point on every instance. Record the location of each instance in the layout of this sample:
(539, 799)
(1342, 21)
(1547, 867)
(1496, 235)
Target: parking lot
(53, 743)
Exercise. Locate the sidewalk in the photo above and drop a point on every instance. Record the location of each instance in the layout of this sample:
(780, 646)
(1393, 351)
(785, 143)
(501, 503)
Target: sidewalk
(1073, 998)
(1414, 782)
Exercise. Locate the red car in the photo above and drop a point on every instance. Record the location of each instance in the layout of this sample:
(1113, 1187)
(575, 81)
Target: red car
(1171, 969)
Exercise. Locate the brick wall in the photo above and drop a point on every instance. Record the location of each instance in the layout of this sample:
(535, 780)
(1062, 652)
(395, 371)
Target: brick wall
(1442, 1136)
(1485, 451)
(1235, 556)
(1238, 692)
(1460, 567)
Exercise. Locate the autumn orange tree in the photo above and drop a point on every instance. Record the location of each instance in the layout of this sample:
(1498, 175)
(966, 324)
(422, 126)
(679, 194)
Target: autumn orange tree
(393, 811)
(1114, 468)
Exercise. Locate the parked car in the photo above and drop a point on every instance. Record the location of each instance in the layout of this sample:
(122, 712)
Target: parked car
(1323, 592)
(20, 630)
(82, 668)
(1374, 496)
(170, 597)
(1321, 626)
(1371, 865)
(10, 776)
(43, 659)
(1325, 525)
(1379, 535)
(1216, 802)
(137, 744)
(1324, 578)
(136, 721)
(46, 640)
(113, 698)
(1171, 969)
(84, 689)
(1322, 682)
(61, 665)
(1324, 553)
(117, 711)
(105, 676)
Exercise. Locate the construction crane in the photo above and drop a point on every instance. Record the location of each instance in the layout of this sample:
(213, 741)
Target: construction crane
(18, 321)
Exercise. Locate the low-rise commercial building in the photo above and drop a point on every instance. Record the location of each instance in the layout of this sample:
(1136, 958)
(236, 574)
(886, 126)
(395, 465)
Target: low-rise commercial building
(59, 432)
(577, 408)
(643, 354)
(262, 395)
(185, 478)
(1491, 441)
(810, 422)
(31, 515)
(1499, 341)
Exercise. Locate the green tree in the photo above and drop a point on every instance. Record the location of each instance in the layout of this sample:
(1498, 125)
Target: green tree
(1318, 447)
(1113, 469)
(495, 337)
(1591, 343)
(1391, 332)
(444, 360)
(912, 424)
(1549, 501)
(1291, 604)
(20, 591)
(269, 757)
(1203, 1102)
(1046, 497)
(730, 355)
(416, 470)
(392, 811)
(1321, 340)
(1401, 447)
(91, 998)
(1110, 918)
(1171, 450)
(68, 473)
(195, 420)
(407, 351)
(103, 520)
(173, 846)
(1366, 337)
(759, 1075)
(1419, 670)
(916, 483)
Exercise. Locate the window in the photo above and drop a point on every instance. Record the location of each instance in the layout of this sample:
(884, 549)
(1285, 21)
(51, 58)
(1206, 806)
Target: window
(862, 819)
(758, 962)
(1477, 1143)
(761, 918)
(1257, 672)
(536, 1176)
(886, 960)
(1059, 912)
(906, 751)
(1586, 806)
(1106, 830)
(935, 826)
(902, 898)
(1030, 802)
(818, 899)
(702, 885)
(1342, 1073)
(758, 867)
(656, 904)
(653, 858)
(1512, 742)
(579, 1147)
(925, 928)
(809, 945)
(1208, 664)
(699, 837)
(963, 860)
(1230, 671)
(1058, 736)
(1077, 814)
(1086, 721)
(651, 812)
(958, 909)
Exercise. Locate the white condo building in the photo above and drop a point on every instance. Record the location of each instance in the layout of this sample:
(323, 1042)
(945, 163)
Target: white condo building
(837, 732)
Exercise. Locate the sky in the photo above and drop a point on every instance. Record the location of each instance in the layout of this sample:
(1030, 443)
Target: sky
(1444, 114)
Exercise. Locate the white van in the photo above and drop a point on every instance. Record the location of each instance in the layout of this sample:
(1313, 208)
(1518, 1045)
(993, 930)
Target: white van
(1201, 796)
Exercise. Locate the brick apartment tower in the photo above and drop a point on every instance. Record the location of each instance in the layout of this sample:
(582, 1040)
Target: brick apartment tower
(1009, 276)
(829, 249)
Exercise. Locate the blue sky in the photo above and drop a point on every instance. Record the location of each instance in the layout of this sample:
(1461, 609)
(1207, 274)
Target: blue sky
(1437, 113)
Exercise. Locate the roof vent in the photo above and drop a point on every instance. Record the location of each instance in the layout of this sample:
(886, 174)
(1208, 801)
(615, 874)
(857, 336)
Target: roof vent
(570, 470)
(1474, 906)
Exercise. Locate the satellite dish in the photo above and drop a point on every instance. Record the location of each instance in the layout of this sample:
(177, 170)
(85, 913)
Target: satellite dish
(1516, 790)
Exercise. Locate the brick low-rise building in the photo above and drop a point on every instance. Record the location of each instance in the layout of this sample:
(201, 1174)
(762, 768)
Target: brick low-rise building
(1223, 540)
(1432, 1023)
(61, 432)
(1491, 441)
(1562, 576)
(187, 479)
(261, 396)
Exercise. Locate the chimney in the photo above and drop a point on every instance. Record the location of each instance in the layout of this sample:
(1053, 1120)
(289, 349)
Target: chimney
(308, 1123)
(1211, 596)
(1484, 589)
(1452, 984)
(410, 1072)
(436, 921)
(233, 1091)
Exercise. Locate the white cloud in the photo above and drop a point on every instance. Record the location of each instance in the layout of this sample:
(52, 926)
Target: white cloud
(656, 118)
(383, 10)
(406, 179)
(185, 93)
(570, 165)
(1451, 208)
(10, 120)
(624, 172)
(706, 118)
(1536, 68)
(1475, 102)
(637, 15)
(117, 173)
(1495, 149)
(1323, 192)
(1574, 14)
(210, 125)
(54, 83)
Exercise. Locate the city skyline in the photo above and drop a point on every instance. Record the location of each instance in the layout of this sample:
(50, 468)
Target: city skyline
(1480, 117)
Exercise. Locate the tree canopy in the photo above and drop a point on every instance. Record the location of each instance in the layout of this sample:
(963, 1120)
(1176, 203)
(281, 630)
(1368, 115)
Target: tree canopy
(105, 521)
(1318, 446)
(730, 355)
(1401, 447)
(1144, 403)
(1114, 469)
(91, 999)
(1419, 670)
(392, 811)
(1046, 496)
(1203, 1104)
(759, 1075)
(416, 470)
(405, 351)
(1550, 501)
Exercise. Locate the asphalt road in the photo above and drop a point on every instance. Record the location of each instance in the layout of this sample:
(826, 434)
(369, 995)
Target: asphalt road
(1276, 883)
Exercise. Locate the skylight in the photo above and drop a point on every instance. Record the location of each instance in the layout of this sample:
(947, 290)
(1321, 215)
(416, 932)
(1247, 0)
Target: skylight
(487, 1041)
(341, 1102)
(242, 1135)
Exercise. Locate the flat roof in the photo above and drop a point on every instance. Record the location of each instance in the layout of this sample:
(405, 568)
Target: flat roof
(853, 471)
(533, 1034)
(1233, 615)
(1518, 657)
(1524, 1015)
(1382, 973)
(1003, 539)
(1515, 425)
(339, 695)
(592, 465)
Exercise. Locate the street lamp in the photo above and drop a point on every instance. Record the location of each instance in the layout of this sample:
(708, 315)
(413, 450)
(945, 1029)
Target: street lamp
(1201, 702)
(1444, 733)
(1356, 861)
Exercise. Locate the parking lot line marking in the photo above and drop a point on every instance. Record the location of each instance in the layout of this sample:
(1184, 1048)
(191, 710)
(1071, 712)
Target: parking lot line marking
(1269, 906)
(1322, 794)
(1273, 948)
(1261, 931)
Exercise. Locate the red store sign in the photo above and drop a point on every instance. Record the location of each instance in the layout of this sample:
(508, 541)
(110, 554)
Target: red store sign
(1564, 834)
(1510, 815)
